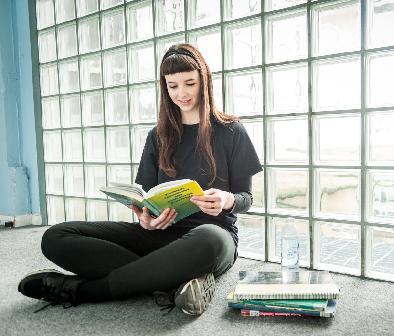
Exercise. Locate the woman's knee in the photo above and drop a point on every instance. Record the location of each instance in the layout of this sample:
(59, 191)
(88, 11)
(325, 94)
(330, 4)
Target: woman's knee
(52, 237)
(214, 240)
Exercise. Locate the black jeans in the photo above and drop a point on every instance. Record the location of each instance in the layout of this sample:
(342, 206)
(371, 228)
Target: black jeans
(135, 260)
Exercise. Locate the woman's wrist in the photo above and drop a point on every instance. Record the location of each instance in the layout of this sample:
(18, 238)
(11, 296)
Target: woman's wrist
(229, 201)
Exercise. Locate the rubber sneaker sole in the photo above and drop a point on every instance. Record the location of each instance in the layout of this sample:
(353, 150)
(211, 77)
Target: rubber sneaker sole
(195, 295)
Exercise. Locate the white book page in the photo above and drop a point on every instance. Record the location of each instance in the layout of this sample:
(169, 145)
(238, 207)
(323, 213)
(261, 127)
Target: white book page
(132, 188)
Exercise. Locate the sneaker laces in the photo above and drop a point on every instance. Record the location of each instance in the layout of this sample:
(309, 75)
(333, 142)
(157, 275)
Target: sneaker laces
(58, 296)
(166, 300)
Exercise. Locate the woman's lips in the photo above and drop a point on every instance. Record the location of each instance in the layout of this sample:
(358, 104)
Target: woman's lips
(185, 102)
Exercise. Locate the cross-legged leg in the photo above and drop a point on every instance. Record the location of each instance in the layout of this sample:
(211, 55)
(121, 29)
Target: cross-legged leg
(93, 250)
(204, 249)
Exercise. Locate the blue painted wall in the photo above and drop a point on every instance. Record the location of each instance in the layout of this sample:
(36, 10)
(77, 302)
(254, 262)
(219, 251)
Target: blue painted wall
(19, 192)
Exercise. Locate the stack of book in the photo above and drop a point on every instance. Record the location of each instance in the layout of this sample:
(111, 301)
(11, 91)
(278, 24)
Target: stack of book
(299, 293)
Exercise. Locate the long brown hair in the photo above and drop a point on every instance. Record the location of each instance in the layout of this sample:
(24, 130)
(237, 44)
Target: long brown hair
(185, 58)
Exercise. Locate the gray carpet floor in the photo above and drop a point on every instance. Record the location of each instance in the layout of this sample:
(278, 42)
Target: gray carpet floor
(365, 307)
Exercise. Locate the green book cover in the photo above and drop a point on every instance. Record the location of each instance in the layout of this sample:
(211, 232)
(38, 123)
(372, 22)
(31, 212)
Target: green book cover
(314, 305)
(174, 194)
(178, 198)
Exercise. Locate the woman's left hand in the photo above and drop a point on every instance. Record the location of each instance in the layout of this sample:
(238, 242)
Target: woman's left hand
(214, 201)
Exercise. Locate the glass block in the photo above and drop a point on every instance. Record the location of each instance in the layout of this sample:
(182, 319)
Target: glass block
(91, 72)
(380, 140)
(89, 34)
(288, 191)
(96, 210)
(337, 139)
(379, 257)
(139, 21)
(67, 40)
(143, 103)
(243, 44)
(94, 145)
(113, 28)
(380, 196)
(45, 13)
(92, 109)
(336, 84)
(95, 179)
(48, 80)
(169, 17)
(72, 146)
(141, 63)
(337, 247)
(115, 71)
(337, 28)
(203, 12)
(258, 191)
(54, 179)
(119, 212)
(47, 46)
(69, 76)
(286, 36)
(116, 106)
(287, 140)
(203, 40)
(50, 113)
(118, 144)
(164, 44)
(337, 194)
(104, 4)
(73, 180)
(275, 228)
(71, 111)
(75, 209)
(251, 233)
(379, 85)
(134, 171)
(255, 129)
(244, 94)
(380, 23)
(218, 91)
(271, 5)
(55, 210)
(85, 7)
(65, 10)
(138, 138)
(52, 146)
(119, 174)
(234, 9)
(287, 89)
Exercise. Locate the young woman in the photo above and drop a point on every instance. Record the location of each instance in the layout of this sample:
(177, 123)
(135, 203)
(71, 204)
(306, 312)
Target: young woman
(116, 260)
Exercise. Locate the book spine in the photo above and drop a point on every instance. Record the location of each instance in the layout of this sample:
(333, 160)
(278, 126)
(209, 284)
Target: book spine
(288, 304)
(274, 310)
(248, 312)
(287, 296)
(152, 208)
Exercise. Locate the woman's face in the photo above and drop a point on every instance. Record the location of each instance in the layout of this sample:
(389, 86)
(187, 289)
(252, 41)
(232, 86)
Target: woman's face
(184, 90)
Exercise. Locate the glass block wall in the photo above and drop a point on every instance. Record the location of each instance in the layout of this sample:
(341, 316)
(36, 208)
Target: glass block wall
(309, 79)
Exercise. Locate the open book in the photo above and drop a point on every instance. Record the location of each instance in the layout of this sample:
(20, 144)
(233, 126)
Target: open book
(173, 194)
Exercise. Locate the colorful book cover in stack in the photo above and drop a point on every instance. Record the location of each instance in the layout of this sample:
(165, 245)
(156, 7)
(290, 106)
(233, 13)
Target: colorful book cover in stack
(174, 194)
(299, 293)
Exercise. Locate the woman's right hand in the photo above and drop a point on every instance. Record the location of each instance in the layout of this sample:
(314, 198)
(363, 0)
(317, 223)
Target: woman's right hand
(149, 223)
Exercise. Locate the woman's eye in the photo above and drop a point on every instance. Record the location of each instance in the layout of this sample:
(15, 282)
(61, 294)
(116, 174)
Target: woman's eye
(172, 87)
(190, 84)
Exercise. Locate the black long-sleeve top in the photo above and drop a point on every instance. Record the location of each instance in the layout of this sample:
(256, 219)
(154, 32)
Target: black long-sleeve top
(236, 162)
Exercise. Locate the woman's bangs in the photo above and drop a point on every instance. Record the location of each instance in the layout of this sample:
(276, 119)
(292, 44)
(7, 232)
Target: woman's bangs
(177, 63)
